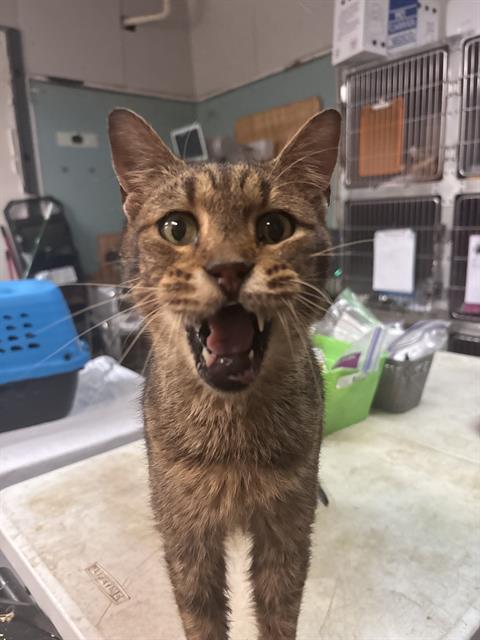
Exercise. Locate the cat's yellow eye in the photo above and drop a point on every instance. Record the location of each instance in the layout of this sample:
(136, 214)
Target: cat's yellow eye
(179, 227)
(274, 226)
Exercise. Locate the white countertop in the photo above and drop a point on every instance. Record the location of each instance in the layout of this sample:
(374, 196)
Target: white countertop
(396, 556)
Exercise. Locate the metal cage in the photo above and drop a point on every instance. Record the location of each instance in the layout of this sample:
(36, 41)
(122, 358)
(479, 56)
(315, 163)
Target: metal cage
(363, 218)
(469, 146)
(466, 222)
(395, 116)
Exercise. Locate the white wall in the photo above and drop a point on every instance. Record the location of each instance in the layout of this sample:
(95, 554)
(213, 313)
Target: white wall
(238, 41)
(84, 40)
(158, 56)
(204, 48)
(8, 13)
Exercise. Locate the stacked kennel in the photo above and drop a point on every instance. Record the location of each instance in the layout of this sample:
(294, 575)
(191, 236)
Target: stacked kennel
(411, 159)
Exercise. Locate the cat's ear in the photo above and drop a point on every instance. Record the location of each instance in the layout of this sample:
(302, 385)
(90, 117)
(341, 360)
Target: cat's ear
(309, 158)
(138, 153)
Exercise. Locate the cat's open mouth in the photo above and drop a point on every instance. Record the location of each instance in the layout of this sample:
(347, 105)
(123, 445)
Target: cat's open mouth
(229, 347)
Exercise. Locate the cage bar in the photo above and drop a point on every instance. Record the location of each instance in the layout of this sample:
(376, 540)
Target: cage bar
(466, 222)
(469, 144)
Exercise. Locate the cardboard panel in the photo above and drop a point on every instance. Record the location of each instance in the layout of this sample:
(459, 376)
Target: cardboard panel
(278, 124)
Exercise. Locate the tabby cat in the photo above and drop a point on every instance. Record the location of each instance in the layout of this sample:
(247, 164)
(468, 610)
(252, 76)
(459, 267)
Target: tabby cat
(227, 264)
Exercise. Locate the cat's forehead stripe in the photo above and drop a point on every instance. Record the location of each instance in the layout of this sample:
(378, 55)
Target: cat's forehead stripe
(243, 177)
(189, 186)
(213, 178)
(264, 192)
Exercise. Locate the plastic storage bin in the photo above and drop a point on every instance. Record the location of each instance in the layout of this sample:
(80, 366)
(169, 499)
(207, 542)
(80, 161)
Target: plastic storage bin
(401, 385)
(344, 405)
(40, 354)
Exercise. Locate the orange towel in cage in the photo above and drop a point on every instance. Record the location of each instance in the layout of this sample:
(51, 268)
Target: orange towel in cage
(381, 139)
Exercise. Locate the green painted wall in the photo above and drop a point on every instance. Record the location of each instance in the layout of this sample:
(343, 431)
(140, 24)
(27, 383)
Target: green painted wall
(316, 78)
(82, 178)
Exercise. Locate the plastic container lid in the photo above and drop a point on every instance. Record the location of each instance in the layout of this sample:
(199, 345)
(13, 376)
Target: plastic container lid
(37, 335)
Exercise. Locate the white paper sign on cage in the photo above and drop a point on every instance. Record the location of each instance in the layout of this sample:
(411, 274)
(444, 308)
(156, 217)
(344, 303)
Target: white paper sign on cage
(394, 261)
(472, 284)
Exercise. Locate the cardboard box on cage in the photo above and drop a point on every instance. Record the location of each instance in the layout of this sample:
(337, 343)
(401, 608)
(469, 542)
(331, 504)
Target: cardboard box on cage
(359, 30)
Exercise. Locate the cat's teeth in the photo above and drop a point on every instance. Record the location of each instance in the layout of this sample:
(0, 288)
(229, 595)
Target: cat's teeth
(260, 322)
(207, 356)
(251, 355)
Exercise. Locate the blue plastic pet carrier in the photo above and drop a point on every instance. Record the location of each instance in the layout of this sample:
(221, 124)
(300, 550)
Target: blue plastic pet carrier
(40, 354)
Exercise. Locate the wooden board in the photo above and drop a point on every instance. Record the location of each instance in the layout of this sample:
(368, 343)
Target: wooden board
(278, 124)
(108, 246)
(381, 139)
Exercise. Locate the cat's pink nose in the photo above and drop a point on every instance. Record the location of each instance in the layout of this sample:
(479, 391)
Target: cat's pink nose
(229, 276)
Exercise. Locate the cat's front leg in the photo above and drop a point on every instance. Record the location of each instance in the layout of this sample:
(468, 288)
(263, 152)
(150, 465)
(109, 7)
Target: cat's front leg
(279, 565)
(196, 564)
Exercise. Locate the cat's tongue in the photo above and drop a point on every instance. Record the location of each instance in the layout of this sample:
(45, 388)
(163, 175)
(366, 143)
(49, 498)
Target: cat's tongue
(231, 331)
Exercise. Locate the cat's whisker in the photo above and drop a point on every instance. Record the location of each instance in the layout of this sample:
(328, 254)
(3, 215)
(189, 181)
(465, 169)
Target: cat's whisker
(174, 327)
(300, 160)
(313, 299)
(296, 322)
(286, 330)
(80, 335)
(318, 291)
(83, 333)
(82, 311)
(141, 287)
(316, 185)
(328, 251)
(147, 360)
(93, 284)
(312, 305)
(147, 321)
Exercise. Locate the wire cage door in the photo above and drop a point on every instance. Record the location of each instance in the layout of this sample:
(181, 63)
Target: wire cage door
(469, 146)
(363, 218)
(466, 222)
(395, 120)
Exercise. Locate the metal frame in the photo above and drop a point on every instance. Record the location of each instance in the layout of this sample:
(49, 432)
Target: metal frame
(194, 127)
(364, 217)
(22, 110)
(420, 81)
(469, 143)
(447, 188)
(466, 222)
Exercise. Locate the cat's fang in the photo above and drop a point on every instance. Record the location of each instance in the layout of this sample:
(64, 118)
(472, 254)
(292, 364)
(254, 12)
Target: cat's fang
(251, 355)
(260, 322)
(208, 356)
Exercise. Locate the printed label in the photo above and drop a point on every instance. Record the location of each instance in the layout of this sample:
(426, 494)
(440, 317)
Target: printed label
(402, 23)
(107, 583)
